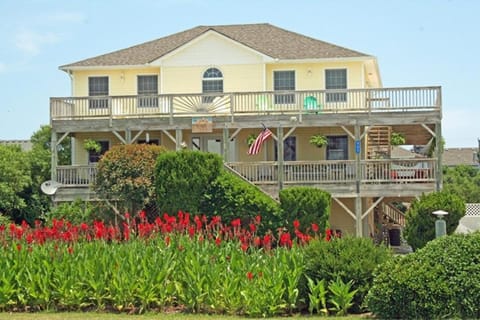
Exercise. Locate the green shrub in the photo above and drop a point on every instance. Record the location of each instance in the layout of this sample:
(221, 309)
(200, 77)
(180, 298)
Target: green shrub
(347, 259)
(307, 205)
(126, 175)
(441, 280)
(420, 222)
(182, 179)
(230, 197)
(76, 212)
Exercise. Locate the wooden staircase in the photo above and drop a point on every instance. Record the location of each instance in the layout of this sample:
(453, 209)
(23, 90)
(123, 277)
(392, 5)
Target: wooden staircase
(393, 214)
(378, 142)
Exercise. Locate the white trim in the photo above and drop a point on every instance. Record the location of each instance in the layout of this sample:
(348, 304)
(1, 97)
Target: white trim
(159, 61)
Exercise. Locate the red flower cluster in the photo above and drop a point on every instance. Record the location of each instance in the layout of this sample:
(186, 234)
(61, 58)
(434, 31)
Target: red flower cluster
(198, 228)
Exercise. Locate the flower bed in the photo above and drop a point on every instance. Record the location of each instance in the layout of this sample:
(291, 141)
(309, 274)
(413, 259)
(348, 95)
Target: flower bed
(175, 261)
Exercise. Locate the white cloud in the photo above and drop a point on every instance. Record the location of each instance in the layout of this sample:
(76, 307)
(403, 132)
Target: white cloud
(31, 42)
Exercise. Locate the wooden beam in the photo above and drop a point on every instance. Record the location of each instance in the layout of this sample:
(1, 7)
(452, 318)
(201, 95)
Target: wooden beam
(119, 137)
(429, 130)
(62, 137)
(351, 135)
(372, 207)
(345, 208)
(235, 133)
(136, 136)
(169, 135)
(289, 133)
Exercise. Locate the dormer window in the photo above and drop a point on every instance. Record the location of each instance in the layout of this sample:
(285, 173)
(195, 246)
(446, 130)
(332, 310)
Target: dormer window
(212, 83)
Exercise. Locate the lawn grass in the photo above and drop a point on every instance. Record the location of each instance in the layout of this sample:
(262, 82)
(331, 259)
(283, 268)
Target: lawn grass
(168, 316)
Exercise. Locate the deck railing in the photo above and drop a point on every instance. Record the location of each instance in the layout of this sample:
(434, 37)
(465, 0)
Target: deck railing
(308, 172)
(299, 172)
(233, 104)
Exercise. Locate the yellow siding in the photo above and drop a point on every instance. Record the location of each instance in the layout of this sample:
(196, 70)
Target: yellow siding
(81, 155)
(237, 78)
(121, 82)
(311, 76)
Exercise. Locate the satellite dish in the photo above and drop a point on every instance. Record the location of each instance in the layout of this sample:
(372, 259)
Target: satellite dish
(49, 187)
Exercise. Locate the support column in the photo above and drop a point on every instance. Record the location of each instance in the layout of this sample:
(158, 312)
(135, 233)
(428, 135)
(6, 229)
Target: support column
(178, 138)
(128, 136)
(54, 159)
(358, 198)
(438, 154)
(226, 145)
(280, 157)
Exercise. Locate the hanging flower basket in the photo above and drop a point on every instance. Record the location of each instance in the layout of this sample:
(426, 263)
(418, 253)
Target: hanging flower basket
(318, 140)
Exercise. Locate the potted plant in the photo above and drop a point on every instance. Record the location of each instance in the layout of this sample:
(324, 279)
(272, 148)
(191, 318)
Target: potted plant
(397, 139)
(251, 139)
(92, 145)
(318, 140)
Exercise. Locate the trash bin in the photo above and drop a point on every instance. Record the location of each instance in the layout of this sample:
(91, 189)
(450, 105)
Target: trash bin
(394, 235)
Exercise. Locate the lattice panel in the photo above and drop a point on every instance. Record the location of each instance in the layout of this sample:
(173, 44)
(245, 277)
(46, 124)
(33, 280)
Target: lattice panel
(473, 209)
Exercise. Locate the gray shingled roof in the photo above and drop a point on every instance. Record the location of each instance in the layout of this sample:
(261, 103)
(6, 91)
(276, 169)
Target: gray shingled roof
(460, 156)
(265, 38)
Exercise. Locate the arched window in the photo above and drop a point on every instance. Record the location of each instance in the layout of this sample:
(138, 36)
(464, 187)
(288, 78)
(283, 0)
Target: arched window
(212, 82)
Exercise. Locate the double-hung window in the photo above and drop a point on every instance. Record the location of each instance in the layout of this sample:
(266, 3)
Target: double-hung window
(337, 148)
(147, 87)
(212, 83)
(336, 79)
(284, 81)
(98, 92)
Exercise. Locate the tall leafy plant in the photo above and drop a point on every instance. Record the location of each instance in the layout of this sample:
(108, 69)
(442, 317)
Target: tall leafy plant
(126, 174)
(183, 178)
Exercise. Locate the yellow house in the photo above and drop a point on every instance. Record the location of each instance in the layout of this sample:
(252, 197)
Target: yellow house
(212, 88)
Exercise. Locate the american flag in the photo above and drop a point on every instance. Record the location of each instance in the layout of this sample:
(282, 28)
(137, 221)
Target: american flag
(257, 144)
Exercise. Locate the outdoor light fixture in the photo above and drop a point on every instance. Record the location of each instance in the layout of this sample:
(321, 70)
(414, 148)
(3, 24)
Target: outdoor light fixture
(440, 224)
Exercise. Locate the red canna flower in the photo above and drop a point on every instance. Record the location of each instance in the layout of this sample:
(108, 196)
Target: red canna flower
(191, 231)
(328, 234)
(167, 240)
(19, 247)
(70, 250)
(258, 219)
(249, 275)
(296, 223)
(244, 246)
(218, 241)
(236, 223)
(285, 240)
(315, 227)
(252, 227)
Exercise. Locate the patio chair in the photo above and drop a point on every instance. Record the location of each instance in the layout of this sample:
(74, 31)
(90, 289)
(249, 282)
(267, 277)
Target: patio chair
(310, 104)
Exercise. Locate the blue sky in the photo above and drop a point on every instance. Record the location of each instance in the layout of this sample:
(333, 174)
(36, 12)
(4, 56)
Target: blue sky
(416, 42)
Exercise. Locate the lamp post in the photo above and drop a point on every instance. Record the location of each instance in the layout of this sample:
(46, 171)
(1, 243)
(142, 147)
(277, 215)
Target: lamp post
(440, 224)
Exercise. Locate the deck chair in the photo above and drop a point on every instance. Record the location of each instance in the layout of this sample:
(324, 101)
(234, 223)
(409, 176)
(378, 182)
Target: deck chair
(310, 104)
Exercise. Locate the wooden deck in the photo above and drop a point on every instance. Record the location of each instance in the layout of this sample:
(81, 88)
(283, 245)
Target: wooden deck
(341, 178)
(239, 104)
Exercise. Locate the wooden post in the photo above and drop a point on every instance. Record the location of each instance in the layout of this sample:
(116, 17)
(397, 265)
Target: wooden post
(178, 138)
(358, 198)
(280, 157)
(54, 159)
(438, 153)
(226, 144)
